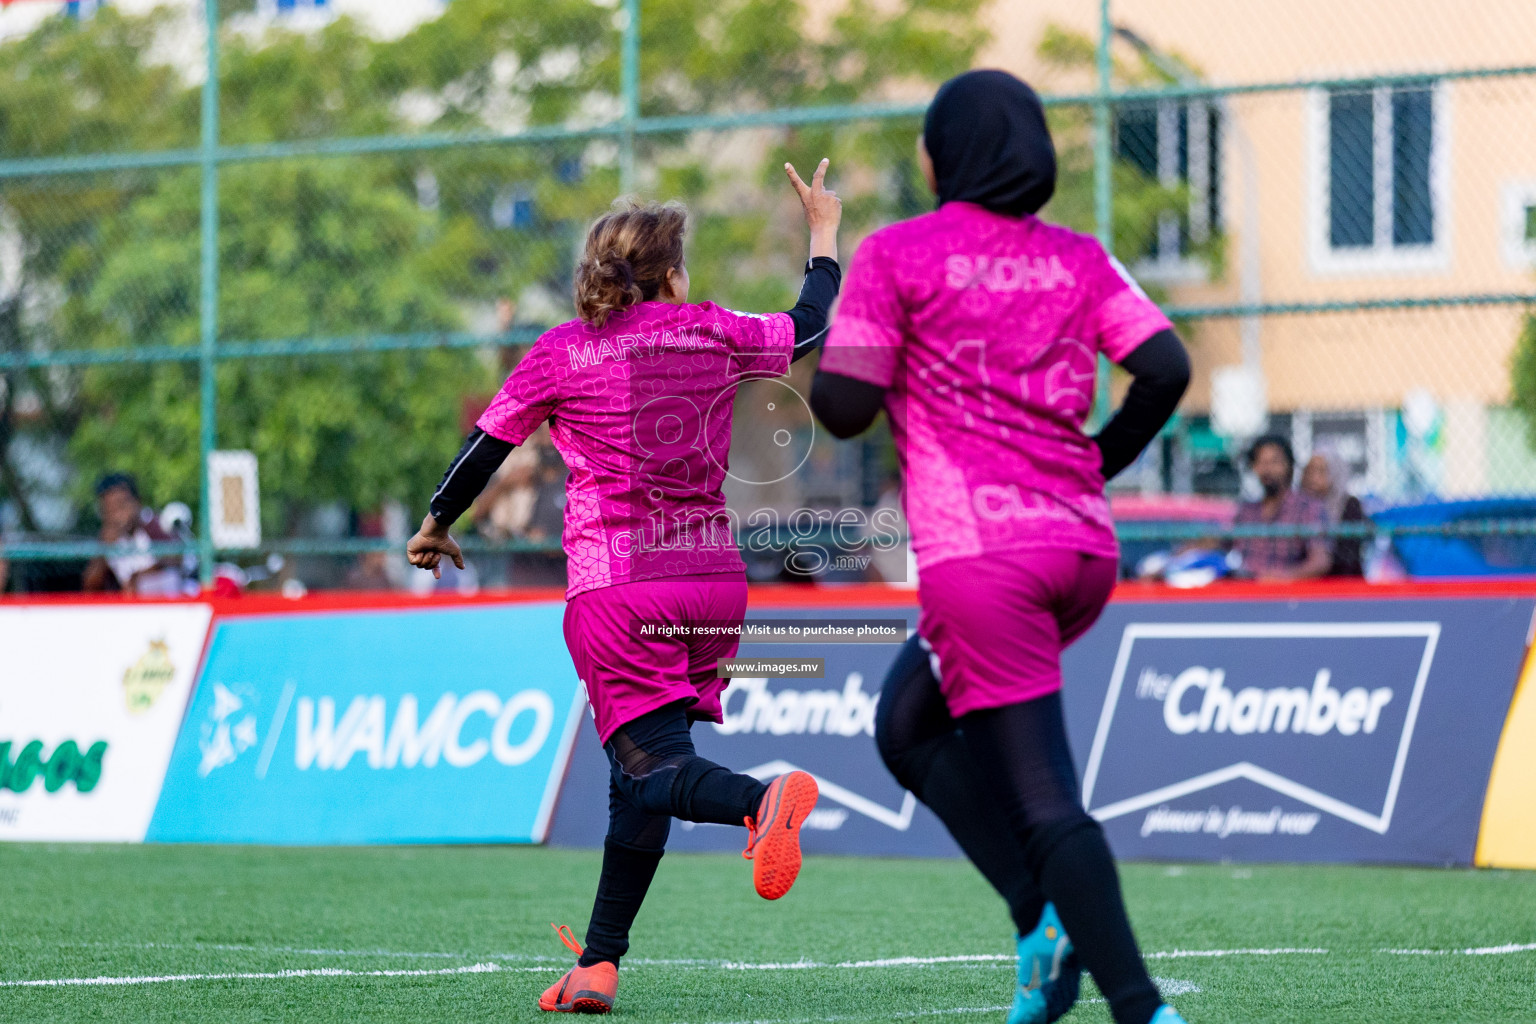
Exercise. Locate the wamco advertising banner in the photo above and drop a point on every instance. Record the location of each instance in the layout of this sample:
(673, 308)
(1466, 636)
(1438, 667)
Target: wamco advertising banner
(449, 725)
(1294, 731)
(825, 726)
(90, 702)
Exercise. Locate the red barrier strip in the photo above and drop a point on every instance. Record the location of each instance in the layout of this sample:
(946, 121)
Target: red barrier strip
(866, 595)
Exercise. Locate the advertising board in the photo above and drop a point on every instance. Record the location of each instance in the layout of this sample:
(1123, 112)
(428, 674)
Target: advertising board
(1295, 731)
(91, 698)
(447, 725)
(1508, 836)
(1259, 729)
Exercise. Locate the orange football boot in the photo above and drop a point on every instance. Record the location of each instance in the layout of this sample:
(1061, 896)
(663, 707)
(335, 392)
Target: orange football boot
(581, 989)
(773, 837)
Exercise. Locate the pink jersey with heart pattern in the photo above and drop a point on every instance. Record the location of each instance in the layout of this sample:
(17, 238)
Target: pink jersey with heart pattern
(986, 329)
(640, 409)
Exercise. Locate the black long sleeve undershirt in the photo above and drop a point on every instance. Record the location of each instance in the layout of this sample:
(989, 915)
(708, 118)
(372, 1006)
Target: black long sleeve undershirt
(477, 461)
(1159, 369)
(846, 406)
(823, 277)
(482, 454)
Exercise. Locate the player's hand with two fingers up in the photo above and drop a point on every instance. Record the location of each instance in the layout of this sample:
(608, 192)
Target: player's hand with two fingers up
(823, 209)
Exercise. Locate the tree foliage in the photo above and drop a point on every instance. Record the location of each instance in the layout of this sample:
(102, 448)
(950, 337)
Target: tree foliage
(1522, 384)
(397, 243)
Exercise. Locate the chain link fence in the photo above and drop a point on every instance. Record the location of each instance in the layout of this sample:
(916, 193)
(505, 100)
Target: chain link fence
(330, 249)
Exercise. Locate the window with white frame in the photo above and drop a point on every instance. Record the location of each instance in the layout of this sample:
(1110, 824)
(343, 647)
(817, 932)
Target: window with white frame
(1520, 224)
(1380, 178)
(1175, 143)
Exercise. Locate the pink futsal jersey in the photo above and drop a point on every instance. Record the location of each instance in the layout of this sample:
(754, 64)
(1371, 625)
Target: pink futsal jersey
(641, 411)
(986, 331)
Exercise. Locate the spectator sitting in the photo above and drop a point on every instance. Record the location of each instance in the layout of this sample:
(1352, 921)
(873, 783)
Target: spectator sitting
(371, 570)
(506, 505)
(129, 526)
(1280, 558)
(544, 525)
(1325, 477)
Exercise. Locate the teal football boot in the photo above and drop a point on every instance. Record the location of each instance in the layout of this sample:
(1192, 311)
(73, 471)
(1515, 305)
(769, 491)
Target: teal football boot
(1049, 975)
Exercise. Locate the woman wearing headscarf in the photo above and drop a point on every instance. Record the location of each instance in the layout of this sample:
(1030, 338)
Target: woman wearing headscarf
(977, 328)
(1326, 478)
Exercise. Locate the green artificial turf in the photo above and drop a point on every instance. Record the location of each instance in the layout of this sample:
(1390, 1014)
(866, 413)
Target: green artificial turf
(130, 912)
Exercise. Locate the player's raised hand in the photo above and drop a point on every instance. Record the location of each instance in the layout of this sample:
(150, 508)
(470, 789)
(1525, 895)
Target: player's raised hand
(823, 209)
(431, 543)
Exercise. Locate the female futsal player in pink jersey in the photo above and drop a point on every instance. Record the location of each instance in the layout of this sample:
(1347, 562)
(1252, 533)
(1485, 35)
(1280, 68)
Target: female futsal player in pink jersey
(977, 328)
(638, 392)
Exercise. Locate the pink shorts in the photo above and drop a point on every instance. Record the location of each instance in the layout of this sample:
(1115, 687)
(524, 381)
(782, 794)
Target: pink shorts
(626, 676)
(996, 626)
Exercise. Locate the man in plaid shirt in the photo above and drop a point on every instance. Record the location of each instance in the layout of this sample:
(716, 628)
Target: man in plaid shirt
(1280, 558)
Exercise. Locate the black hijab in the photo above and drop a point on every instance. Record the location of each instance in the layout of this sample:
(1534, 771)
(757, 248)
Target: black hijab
(986, 134)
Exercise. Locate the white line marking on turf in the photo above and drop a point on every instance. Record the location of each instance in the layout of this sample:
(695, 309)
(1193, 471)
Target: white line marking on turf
(795, 965)
(980, 959)
(974, 959)
(1177, 954)
(225, 947)
(899, 1015)
(899, 961)
(1169, 987)
(317, 972)
(1513, 947)
(915, 961)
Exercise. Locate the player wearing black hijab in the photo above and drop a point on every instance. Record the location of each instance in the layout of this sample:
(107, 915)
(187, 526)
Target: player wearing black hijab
(998, 772)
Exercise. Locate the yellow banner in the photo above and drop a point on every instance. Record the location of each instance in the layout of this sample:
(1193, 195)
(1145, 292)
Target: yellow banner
(1508, 836)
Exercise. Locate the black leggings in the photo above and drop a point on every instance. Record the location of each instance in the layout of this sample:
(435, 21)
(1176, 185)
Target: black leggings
(923, 749)
(654, 775)
(1014, 763)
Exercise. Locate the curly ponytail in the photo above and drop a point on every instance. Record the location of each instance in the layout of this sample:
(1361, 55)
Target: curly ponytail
(627, 256)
